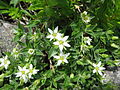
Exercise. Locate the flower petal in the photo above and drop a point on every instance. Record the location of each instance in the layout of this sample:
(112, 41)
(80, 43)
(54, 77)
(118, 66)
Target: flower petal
(61, 47)
(66, 44)
(56, 43)
(99, 64)
(59, 62)
(57, 57)
(50, 31)
(100, 72)
(65, 38)
(65, 61)
(56, 30)
(94, 71)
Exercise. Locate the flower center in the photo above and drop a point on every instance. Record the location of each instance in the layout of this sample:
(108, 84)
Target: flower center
(86, 18)
(23, 72)
(54, 34)
(61, 42)
(31, 71)
(97, 68)
(62, 58)
(5, 61)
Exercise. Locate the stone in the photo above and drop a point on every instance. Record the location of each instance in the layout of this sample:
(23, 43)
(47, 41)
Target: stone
(113, 76)
(6, 36)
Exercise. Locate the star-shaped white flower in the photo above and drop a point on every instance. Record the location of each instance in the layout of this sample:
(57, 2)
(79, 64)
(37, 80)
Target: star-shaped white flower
(31, 51)
(15, 53)
(85, 17)
(87, 40)
(22, 73)
(84, 48)
(61, 42)
(98, 68)
(54, 34)
(32, 71)
(34, 36)
(62, 58)
(4, 62)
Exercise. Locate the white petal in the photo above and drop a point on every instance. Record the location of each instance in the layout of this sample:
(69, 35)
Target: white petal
(65, 38)
(35, 71)
(66, 55)
(50, 31)
(85, 12)
(1, 60)
(57, 57)
(30, 75)
(56, 30)
(6, 66)
(19, 68)
(31, 66)
(56, 43)
(94, 65)
(88, 42)
(1, 64)
(6, 57)
(25, 78)
(58, 36)
(61, 47)
(101, 68)
(61, 53)
(18, 74)
(99, 64)
(94, 71)
(65, 61)
(100, 72)
(8, 62)
(49, 36)
(59, 62)
(66, 44)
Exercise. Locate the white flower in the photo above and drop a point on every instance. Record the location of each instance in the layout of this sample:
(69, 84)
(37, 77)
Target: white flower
(98, 68)
(54, 34)
(34, 36)
(85, 17)
(87, 40)
(62, 58)
(22, 73)
(15, 53)
(84, 48)
(32, 71)
(4, 62)
(61, 42)
(31, 51)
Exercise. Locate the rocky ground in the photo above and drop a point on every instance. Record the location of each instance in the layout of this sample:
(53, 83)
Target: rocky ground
(6, 36)
(6, 44)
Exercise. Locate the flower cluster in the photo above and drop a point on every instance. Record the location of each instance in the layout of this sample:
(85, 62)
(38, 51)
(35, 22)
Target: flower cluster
(26, 74)
(4, 62)
(61, 41)
(86, 43)
(85, 17)
(98, 68)
(15, 53)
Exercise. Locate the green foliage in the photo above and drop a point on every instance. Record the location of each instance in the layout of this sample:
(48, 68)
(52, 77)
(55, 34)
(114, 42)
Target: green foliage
(93, 38)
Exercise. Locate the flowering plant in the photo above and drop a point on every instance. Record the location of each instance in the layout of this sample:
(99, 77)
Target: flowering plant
(61, 44)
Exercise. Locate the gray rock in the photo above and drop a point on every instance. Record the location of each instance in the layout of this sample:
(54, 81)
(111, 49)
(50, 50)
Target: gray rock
(6, 36)
(113, 76)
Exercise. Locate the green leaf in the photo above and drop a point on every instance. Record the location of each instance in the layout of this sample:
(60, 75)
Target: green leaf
(14, 2)
(4, 5)
(52, 52)
(54, 83)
